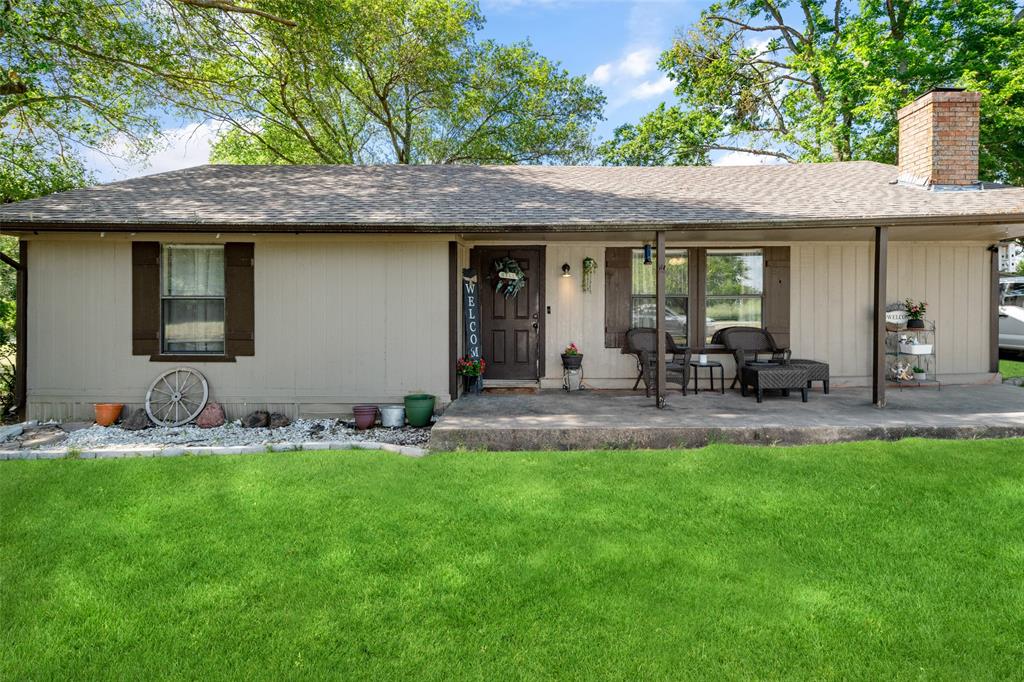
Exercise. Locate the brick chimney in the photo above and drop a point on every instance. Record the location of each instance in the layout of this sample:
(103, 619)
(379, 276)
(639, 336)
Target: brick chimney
(939, 140)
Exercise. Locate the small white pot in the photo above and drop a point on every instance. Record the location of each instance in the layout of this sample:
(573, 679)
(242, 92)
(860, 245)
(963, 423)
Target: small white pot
(920, 376)
(916, 348)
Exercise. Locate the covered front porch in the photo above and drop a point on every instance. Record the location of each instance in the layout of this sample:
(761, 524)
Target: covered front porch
(599, 419)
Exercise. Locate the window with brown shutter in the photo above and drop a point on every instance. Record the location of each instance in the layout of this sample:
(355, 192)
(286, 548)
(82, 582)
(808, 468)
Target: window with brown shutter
(718, 287)
(190, 305)
(240, 298)
(145, 298)
(776, 293)
(618, 291)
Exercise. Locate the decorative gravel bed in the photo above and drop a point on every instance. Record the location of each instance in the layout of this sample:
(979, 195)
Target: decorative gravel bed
(234, 434)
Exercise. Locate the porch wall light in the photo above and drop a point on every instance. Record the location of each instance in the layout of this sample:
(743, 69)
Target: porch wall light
(647, 254)
(565, 270)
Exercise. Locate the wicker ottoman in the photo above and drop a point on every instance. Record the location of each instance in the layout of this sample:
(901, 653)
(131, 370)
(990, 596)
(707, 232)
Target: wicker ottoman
(783, 378)
(816, 371)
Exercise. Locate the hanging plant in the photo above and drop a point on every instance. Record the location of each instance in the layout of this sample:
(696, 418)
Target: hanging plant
(510, 276)
(589, 266)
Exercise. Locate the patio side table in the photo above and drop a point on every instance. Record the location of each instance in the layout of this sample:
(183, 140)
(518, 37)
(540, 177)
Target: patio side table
(711, 365)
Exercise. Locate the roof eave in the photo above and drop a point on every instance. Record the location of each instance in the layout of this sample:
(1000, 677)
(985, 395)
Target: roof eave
(22, 226)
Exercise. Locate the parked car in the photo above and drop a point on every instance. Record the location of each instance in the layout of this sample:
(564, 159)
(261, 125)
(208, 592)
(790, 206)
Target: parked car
(1011, 313)
(675, 320)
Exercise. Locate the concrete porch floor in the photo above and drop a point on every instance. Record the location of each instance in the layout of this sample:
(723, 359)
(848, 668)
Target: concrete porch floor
(555, 420)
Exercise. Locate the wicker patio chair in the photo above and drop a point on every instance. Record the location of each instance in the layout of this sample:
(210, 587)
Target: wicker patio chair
(642, 342)
(749, 344)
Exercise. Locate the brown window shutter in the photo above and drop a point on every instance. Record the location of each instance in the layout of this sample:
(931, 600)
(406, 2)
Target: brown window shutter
(145, 298)
(618, 295)
(776, 293)
(239, 299)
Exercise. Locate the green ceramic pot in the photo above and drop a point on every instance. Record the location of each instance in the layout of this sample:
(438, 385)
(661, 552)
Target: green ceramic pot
(419, 408)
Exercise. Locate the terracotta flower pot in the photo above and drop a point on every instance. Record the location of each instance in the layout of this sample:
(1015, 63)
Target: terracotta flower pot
(366, 416)
(107, 413)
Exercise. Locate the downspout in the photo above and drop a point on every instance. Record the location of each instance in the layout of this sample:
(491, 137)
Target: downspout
(20, 326)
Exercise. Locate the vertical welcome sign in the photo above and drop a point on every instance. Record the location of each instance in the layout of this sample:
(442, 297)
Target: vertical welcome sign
(471, 315)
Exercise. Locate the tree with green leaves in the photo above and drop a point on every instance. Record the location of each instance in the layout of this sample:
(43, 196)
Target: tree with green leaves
(87, 74)
(393, 81)
(810, 80)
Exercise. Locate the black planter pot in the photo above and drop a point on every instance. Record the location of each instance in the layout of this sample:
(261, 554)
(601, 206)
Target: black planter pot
(915, 324)
(472, 385)
(572, 361)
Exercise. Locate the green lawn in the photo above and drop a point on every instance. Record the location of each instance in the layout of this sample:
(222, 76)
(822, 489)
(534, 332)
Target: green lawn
(1011, 368)
(862, 561)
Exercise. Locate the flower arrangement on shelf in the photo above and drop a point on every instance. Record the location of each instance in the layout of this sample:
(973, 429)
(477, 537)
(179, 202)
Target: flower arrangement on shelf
(915, 313)
(571, 349)
(469, 367)
(919, 373)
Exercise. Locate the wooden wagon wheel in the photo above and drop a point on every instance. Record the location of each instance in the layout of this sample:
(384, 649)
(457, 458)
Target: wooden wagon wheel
(177, 397)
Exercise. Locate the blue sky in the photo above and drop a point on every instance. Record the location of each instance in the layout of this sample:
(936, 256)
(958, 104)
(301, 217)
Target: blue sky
(616, 43)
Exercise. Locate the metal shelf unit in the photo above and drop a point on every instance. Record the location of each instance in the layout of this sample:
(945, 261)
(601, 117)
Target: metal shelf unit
(898, 349)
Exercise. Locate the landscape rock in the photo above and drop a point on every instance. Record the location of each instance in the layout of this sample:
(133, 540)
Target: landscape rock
(256, 420)
(136, 421)
(9, 432)
(278, 420)
(44, 436)
(71, 427)
(233, 434)
(211, 417)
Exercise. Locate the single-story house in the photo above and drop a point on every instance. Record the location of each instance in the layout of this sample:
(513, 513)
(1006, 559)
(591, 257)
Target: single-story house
(307, 289)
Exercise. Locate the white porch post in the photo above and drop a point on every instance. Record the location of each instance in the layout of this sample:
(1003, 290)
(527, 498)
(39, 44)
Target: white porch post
(660, 312)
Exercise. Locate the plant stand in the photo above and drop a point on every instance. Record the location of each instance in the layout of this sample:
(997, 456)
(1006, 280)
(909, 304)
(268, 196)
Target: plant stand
(572, 372)
(898, 351)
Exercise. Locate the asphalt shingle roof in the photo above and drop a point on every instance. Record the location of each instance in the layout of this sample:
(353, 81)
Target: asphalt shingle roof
(482, 198)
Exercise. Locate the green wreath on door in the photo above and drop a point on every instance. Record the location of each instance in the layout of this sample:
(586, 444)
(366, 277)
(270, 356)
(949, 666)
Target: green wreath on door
(510, 277)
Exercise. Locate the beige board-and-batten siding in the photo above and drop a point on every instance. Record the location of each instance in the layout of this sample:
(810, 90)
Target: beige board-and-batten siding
(830, 308)
(340, 320)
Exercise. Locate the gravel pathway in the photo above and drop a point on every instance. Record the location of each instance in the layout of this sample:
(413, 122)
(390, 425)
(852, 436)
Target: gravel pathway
(234, 434)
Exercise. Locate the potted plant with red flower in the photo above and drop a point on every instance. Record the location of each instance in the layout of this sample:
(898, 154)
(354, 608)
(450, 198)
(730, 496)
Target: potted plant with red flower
(472, 371)
(572, 358)
(915, 313)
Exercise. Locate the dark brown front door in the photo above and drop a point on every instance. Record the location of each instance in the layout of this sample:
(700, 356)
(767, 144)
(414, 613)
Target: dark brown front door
(512, 329)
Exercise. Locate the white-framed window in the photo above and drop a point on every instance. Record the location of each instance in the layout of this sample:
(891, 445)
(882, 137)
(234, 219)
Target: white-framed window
(734, 294)
(192, 299)
(644, 293)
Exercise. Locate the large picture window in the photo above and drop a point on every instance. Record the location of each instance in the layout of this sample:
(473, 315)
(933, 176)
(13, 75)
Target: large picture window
(192, 299)
(734, 289)
(643, 301)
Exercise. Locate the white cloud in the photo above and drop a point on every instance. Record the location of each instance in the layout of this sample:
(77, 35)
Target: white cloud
(649, 89)
(746, 159)
(638, 63)
(602, 74)
(624, 72)
(632, 77)
(179, 147)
